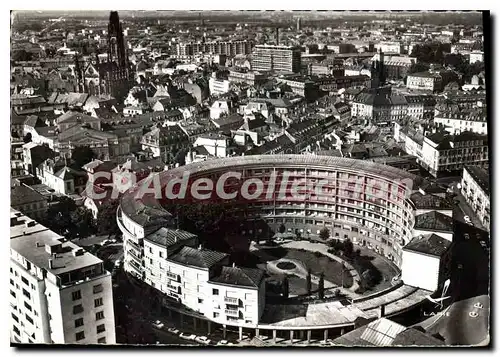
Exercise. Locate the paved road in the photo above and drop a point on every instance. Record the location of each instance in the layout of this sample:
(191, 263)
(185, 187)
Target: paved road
(463, 209)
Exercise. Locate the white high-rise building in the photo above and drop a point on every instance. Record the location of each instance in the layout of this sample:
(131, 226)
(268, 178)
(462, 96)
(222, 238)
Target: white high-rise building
(59, 293)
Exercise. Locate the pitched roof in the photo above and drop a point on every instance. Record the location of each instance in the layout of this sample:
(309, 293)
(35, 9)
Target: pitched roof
(202, 258)
(430, 202)
(414, 337)
(72, 116)
(20, 195)
(430, 244)
(434, 221)
(168, 237)
(239, 276)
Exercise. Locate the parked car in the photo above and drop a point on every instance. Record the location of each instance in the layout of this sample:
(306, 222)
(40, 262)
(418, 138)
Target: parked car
(173, 330)
(158, 324)
(222, 343)
(203, 339)
(187, 336)
(467, 219)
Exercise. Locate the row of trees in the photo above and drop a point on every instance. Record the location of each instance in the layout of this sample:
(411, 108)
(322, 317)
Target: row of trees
(285, 285)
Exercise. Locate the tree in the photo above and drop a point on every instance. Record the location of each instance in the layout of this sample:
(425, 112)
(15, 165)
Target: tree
(308, 282)
(324, 234)
(285, 286)
(65, 218)
(348, 248)
(82, 155)
(418, 67)
(21, 55)
(106, 218)
(27, 138)
(321, 286)
(83, 221)
(282, 228)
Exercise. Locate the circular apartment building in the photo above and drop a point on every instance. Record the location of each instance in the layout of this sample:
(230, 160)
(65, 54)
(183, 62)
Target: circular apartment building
(363, 201)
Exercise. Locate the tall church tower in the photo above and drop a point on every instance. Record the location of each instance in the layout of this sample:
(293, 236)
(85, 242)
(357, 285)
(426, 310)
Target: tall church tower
(117, 75)
(378, 70)
(116, 41)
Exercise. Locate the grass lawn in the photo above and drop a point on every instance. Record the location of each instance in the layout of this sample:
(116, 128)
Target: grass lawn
(316, 262)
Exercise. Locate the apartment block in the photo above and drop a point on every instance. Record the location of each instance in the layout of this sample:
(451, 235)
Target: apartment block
(59, 293)
(276, 58)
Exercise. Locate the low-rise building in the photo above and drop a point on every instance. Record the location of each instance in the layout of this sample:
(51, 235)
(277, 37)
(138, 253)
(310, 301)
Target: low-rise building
(28, 201)
(443, 153)
(474, 120)
(62, 179)
(218, 86)
(423, 261)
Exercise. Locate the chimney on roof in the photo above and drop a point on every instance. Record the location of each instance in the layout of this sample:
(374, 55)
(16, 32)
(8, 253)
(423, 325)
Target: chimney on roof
(234, 265)
(199, 247)
(51, 264)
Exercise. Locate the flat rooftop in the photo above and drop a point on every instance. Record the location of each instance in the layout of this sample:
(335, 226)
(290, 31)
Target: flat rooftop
(33, 247)
(335, 313)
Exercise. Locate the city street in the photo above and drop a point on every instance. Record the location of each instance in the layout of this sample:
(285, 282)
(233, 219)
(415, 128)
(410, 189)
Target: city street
(462, 209)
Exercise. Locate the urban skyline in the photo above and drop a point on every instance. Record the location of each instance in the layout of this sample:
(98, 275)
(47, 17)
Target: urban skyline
(336, 166)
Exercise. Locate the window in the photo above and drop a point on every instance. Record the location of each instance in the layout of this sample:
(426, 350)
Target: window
(11, 282)
(80, 335)
(77, 295)
(215, 291)
(16, 330)
(79, 322)
(200, 301)
(101, 340)
(27, 294)
(25, 281)
(15, 317)
(161, 254)
(77, 309)
(216, 314)
(28, 306)
(101, 328)
(98, 302)
(98, 288)
(99, 315)
(29, 319)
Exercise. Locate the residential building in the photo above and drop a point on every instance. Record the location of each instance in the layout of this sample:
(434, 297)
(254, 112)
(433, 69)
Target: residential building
(59, 293)
(62, 179)
(423, 261)
(215, 144)
(221, 108)
(229, 48)
(474, 120)
(165, 141)
(442, 153)
(252, 78)
(430, 81)
(28, 201)
(389, 47)
(476, 56)
(276, 58)
(217, 85)
(475, 187)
